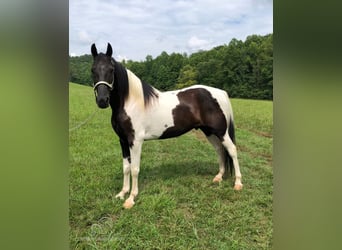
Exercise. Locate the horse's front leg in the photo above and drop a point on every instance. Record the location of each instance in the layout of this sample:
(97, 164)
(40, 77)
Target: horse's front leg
(126, 169)
(135, 167)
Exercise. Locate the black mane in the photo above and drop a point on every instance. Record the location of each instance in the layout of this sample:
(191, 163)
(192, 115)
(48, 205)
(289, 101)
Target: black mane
(120, 89)
(149, 92)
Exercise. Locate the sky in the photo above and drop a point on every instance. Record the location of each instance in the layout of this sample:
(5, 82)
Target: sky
(137, 28)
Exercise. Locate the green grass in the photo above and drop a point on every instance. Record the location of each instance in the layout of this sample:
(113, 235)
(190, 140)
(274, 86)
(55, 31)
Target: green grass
(178, 206)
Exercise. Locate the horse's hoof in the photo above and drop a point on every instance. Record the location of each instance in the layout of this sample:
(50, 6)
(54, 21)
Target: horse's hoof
(237, 187)
(128, 204)
(217, 179)
(120, 195)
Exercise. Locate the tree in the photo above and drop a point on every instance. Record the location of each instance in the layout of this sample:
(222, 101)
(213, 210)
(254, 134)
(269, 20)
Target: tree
(244, 69)
(187, 77)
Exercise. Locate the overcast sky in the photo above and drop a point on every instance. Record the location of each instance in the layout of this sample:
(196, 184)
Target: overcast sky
(137, 28)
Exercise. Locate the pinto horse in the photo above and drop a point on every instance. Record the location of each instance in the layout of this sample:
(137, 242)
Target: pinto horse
(141, 112)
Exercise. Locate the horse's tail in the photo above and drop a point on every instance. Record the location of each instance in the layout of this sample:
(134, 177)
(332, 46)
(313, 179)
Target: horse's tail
(229, 159)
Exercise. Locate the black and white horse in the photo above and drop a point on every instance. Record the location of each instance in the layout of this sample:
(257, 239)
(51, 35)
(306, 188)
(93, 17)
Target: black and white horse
(141, 112)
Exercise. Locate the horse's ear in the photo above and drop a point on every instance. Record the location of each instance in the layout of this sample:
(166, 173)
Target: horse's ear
(109, 50)
(93, 50)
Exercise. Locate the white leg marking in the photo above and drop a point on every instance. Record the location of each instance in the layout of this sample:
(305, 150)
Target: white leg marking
(126, 179)
(135, 167)
(220, 151)
(229, 145)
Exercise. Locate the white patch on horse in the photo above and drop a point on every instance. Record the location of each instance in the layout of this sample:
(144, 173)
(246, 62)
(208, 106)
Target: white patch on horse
(151, 121)
(159, 116)
(136, 95)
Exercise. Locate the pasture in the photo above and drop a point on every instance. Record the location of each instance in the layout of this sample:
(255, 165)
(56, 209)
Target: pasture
(178, 206)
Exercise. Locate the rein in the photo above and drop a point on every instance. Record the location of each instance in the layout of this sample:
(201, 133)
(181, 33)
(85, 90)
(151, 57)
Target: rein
(84, 122)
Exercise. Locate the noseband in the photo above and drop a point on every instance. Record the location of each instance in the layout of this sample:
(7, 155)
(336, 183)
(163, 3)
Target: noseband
(109, 85)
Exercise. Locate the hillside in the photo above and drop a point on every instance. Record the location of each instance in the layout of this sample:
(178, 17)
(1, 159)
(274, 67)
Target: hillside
(178, 206)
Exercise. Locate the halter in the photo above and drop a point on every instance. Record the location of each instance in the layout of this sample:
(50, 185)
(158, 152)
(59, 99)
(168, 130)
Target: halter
(109, 85)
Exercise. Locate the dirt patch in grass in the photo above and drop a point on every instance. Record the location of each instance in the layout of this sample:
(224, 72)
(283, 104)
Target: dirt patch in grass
(260, 133)
(267, 157)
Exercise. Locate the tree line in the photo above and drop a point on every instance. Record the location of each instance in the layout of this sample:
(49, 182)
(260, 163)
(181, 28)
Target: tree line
(243, 69)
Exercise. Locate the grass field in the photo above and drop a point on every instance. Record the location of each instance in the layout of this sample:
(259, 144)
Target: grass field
(178, 206)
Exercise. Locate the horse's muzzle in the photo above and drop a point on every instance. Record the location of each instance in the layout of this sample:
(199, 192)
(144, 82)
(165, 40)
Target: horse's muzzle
(102, 93)
(103, 103)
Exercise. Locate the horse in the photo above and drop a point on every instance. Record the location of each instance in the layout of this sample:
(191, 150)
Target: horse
(141, 112)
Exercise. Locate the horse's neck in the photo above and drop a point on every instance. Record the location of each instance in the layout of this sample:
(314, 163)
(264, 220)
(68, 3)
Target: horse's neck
(129, 92)
(125, 91)
(116, 102)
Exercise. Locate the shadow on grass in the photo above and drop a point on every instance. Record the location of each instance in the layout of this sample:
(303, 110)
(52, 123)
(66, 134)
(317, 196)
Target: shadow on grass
(177, 170)
(97, 200)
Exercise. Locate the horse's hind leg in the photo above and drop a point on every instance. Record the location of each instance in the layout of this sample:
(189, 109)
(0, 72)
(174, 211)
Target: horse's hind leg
(215, 141)
(231, 148)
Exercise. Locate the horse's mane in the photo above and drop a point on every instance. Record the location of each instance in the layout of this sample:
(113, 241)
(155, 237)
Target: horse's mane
(149, 92)
(132, 87)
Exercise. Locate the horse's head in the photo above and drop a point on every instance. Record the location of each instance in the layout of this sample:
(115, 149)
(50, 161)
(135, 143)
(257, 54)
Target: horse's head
(103, 75)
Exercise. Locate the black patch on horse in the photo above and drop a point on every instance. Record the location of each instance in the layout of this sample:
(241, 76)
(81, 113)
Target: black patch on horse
(121, 122)
(197, 109)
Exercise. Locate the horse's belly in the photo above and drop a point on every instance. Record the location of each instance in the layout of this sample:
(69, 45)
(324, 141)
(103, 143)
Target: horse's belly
(156, 124)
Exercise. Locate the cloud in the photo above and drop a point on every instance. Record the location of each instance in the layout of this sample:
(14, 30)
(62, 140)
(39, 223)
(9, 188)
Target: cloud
(120, 58)
(137, 28)
(84, 36)
(196, 43)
